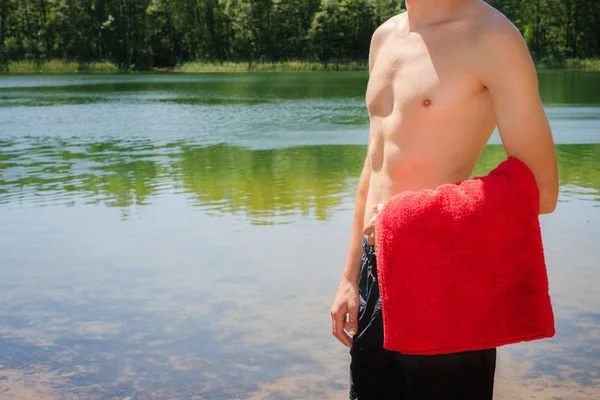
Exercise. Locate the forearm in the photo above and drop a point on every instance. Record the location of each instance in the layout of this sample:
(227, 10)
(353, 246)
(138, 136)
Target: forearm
(353, 258)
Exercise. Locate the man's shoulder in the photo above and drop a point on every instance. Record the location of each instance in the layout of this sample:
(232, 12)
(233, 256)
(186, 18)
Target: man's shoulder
(382, 33)
(494, 29)
(385, 30)
(500, 48)
(388, 26)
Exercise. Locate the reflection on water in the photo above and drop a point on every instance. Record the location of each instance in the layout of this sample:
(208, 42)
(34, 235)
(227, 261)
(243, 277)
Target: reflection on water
(182, 237)
(262, 184)
(259, 183)
(569, 87)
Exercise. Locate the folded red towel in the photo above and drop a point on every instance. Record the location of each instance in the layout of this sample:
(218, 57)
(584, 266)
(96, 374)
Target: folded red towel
(462, 267)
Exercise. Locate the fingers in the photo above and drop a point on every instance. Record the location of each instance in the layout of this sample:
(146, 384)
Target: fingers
(369, 231)
(369, 228)
(351, 324)
(337, 327)
(371, 238)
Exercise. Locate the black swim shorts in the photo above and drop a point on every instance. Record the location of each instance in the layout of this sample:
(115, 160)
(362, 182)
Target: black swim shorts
(380, 374)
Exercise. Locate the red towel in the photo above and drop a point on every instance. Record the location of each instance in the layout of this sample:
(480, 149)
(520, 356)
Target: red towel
(462, 267)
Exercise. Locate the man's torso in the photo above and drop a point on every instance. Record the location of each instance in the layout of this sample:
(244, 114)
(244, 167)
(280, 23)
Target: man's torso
(430, 116)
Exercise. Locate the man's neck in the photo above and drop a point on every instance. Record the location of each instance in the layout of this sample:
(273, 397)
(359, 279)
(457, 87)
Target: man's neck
(422, 13)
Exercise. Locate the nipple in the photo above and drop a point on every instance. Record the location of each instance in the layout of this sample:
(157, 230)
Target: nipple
(426, 102)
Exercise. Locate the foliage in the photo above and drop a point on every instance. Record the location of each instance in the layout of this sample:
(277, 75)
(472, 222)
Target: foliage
(556, 29)
(140, 34)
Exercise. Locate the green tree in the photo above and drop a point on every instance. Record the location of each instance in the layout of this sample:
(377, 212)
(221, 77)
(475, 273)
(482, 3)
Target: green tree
(342, 29)
(143, 33)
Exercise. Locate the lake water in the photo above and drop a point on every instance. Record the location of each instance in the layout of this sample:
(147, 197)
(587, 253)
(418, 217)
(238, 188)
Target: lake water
(182, 236)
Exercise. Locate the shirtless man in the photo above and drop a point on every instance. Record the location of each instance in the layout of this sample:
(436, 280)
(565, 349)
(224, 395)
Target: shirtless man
(443, 75)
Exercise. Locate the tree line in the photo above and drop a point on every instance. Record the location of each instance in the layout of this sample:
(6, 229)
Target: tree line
(140, 34)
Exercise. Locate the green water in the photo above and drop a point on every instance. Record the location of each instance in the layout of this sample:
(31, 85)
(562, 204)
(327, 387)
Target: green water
(171, 236)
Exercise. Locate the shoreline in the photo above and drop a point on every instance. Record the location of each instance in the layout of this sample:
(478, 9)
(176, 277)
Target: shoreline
(62, 67)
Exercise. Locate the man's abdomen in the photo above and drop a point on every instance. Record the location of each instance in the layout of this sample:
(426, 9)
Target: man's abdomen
(425, 149)
(402, 172)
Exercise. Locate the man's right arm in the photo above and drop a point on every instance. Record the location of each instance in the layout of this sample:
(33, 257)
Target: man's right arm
(355, 250)
(346, 300)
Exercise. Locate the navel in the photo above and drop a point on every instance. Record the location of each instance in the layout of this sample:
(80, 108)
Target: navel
(426, 103)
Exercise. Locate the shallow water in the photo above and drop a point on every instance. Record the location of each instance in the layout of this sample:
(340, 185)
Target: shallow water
(182, 236)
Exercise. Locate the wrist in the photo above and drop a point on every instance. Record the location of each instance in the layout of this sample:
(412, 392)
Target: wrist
(351, 275)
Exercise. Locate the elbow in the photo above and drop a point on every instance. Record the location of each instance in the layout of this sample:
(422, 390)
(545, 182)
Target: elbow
(548, 200)
(547, 209)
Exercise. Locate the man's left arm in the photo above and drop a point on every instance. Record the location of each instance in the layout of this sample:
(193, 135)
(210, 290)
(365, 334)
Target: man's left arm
(510, 76)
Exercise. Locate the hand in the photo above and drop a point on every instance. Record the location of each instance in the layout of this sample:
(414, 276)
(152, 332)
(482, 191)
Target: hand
(344, 312)
(369, 229)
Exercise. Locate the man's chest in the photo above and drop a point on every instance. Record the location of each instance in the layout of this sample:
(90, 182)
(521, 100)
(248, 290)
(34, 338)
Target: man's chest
(410, 75)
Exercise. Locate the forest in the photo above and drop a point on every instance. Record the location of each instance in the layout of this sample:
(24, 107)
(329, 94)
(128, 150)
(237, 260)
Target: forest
(142, 34)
